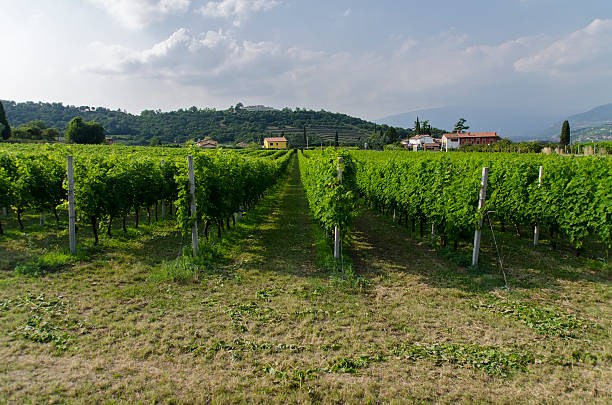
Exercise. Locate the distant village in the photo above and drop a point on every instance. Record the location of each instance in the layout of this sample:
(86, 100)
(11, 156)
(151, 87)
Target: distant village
(416, 143)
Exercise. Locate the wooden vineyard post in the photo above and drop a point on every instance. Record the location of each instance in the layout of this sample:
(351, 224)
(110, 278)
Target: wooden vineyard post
(163, 203)
(194, 228)
(4, 211)
(536, 230)
(481, 202)
(71, 214)
(42, 219)
(337, 228)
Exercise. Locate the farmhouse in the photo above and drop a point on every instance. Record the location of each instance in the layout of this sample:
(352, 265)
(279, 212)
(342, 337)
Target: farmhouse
(207, 143)
(455, 140)
(275, 143)
(421, 142)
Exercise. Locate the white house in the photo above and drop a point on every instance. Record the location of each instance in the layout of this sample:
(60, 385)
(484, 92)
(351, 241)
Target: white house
(418, 142)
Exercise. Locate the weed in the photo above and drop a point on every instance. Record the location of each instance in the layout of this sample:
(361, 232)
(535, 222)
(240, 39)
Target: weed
(49, 262)
(38, 330)
(351, 365)
(181, 270)
(487, 358)
(546, 320)
(295, 377)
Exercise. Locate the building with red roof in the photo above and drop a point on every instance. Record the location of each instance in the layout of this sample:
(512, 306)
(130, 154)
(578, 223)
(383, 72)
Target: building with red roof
(456, 140)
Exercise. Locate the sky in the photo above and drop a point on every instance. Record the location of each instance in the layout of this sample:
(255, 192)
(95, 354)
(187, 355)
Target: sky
(365, 58)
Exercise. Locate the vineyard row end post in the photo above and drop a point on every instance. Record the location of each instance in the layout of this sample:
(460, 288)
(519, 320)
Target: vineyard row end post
(337, 238)
(481, 202)
(71, 214)
(163, 203)
(194, 228)
(536, 231)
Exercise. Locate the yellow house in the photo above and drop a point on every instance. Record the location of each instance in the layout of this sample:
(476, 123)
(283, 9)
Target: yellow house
(275, 143)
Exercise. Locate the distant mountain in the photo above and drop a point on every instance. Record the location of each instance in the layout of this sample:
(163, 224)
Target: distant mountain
(594, 125)
(247, 124)
(516, 124)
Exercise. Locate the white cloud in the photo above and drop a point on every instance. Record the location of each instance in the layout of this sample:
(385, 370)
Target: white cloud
(443, 67)
(182, 57)
(137, 14)
(237, 10)
(347, 12)
(587, 49)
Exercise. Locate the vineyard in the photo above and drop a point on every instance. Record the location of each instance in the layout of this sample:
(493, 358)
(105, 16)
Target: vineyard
(265, 311)
(113, 186)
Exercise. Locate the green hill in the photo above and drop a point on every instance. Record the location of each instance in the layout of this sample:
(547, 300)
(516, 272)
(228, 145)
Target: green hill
(225, 126)
(594, 125)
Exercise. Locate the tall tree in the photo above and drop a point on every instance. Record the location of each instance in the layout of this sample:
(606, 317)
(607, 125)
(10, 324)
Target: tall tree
(417, 127)
(80, 131)
(565, 133)
(426, 128)
(336, 139)
(460, 125)
(5, 128)
(305, 135)
(391, 135)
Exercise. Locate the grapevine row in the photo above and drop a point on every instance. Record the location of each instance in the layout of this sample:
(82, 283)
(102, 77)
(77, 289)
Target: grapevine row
(574, 197)
(112, 183)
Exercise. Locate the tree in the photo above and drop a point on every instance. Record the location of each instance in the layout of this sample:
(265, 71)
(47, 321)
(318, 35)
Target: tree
(305, 142)
(426, 128)
(239, 106)
(565, 133)
(460, 125)
(336, 139)
(155, 141)
(391, 135)
(80, 131)
(417, 127)
(5, 128)
(35, 130)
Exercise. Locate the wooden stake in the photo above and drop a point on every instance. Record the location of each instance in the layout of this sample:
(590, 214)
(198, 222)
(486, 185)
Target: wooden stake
(163, 203)
(536, 231)
(337, 241)
(194, 228)
(481, 201)
(71, 214)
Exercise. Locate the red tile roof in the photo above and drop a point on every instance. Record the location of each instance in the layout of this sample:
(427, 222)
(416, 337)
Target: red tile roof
(472, 135)
(281, 139)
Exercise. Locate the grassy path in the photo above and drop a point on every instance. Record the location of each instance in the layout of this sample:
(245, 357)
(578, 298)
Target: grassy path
(558, 311)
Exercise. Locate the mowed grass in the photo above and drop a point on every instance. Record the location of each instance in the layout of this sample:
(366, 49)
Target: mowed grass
(261, 317)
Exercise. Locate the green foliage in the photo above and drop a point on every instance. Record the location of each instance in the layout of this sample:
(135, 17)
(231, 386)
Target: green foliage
(442, 189)
(546, 320)
(487, 358)
(351, 365)
(565, 133)
(332, 201)
(155, 141)
(43, 324)
(82, 132)
(5, 128)
(46, 263)
(391, 136)
(35, 130)
(176, 127)
(460, 125)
